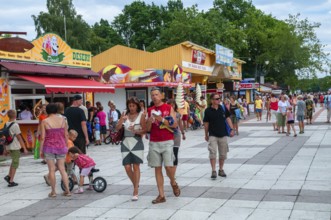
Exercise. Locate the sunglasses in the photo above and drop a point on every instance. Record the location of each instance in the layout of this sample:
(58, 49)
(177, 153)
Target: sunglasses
(155, 88)
(217, 99)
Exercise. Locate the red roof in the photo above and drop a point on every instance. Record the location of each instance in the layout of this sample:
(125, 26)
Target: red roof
(32, 68)
(68, 84)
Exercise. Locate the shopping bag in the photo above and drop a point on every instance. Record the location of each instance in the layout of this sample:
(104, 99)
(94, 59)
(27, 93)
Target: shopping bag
(37, 150)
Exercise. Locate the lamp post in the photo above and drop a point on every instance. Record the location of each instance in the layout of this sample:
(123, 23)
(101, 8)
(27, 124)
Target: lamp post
(260, 73)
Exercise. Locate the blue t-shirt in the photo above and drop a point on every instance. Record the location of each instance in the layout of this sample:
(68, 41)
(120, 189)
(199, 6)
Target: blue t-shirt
(97, 127)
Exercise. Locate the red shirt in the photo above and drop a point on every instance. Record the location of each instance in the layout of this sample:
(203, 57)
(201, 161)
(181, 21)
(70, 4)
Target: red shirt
(157, 134)
(274, 106)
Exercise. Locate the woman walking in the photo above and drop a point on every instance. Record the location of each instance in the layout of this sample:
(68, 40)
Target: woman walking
(234, 105)
(273, 111)
(281, 114)
(53, 146)
(132, 146)
(178, 133)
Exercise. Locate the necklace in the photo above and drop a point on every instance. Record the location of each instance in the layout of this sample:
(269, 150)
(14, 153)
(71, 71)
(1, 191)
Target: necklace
(132, 117)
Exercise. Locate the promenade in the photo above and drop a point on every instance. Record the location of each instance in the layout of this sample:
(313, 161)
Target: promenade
(269, 176)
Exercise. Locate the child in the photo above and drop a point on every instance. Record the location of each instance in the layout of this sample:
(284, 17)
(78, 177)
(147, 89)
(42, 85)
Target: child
(69, 164)
(14, 147)
(97, 131)
(85, 164)
(290, 121)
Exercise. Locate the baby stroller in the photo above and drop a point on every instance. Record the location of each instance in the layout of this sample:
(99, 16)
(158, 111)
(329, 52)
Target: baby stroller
(194, 121)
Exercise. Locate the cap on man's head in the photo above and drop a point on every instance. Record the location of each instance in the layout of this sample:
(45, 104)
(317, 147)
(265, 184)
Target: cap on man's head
(77, 97)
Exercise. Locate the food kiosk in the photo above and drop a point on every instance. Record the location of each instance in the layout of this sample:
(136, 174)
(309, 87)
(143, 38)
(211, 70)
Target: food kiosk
(49, 70)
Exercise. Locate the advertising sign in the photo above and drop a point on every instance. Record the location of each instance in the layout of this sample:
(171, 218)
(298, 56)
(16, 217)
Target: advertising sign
(198, 57)
(51, 49)
(4, 101)
(197, 66)
(224, 56)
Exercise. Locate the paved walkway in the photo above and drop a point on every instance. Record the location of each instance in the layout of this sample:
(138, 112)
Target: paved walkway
(270, 176)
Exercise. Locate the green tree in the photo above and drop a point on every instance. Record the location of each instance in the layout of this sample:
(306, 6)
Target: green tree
(62, 12)
(103, 37)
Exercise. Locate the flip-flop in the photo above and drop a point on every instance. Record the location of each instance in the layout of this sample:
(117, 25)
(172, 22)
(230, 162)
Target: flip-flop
(51, 195)
(67, 194)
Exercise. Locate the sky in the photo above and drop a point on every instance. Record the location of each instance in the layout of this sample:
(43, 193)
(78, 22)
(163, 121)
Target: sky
(16, 14)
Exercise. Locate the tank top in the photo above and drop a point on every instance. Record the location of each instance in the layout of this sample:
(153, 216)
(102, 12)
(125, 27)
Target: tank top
(157, 134)
(55, 141)
(274, 105)
(135, 123)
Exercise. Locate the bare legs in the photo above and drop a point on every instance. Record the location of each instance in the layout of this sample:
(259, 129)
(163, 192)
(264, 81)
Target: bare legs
(52, 180)
(133, 172)
(160, 180)
(213, 164)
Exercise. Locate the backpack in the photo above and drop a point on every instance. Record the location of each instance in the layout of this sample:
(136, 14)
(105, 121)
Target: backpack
(119, 113)
(5, 136)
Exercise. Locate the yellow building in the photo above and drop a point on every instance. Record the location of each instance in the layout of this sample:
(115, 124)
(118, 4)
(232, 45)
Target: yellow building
(196, 60)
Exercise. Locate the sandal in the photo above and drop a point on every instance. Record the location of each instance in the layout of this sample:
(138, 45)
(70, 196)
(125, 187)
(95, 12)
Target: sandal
(158, 200)
(175, 189)
(67, 194)
(51, 195)
(134, 198)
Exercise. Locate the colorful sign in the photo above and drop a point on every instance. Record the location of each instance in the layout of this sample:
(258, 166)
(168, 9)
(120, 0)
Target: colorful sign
(198, 57)
(249, 85)
(224, 56)
(51, 49)
(122, 76)
(4, 101)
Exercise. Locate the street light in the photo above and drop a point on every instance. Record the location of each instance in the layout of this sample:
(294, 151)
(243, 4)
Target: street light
(261, 74)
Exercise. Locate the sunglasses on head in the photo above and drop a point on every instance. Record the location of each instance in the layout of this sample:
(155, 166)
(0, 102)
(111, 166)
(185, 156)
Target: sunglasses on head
(155, 88)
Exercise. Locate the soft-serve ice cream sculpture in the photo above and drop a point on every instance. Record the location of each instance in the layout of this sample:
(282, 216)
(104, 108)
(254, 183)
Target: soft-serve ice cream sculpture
(180, 96)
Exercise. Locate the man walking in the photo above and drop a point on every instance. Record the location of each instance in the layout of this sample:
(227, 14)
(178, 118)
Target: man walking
(328, 106)
(77, 121)
(301, 111)
(162, 119)
(215, 133)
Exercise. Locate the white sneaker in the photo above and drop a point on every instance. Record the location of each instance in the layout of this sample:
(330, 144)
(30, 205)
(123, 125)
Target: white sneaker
(79, 191)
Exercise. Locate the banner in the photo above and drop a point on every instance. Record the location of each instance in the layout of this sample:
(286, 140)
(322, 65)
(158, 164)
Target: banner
(224, 56)
(51, 49)
(4, 101)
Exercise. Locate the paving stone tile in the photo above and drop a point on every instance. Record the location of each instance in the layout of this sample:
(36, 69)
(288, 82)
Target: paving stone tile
(276, 205)
(204, 205)
(225, 213)
(121, 213)
(241, 203)
(302, 214)
(157, 214)
(312, 206)
(249, 197)
(267, 214)
(194, 215)
(280, 198)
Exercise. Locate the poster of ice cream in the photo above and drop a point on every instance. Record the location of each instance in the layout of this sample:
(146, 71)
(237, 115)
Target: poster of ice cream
(4, 101)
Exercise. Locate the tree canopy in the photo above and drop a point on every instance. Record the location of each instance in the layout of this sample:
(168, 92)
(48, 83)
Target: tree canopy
(291, 46)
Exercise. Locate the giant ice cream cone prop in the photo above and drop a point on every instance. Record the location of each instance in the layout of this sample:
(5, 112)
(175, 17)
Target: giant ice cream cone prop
(180, 96)
(198, 93)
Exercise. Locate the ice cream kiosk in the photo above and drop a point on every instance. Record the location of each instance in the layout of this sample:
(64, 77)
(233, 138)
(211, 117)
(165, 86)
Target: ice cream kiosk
(44, 70)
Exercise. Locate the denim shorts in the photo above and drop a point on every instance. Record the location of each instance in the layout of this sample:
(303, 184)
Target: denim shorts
(49, 156)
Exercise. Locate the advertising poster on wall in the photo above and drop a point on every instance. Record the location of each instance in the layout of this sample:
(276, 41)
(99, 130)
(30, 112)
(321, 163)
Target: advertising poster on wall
(4, 101)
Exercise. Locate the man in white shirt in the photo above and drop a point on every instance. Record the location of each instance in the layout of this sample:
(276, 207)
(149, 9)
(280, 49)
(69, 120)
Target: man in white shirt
(113, 116)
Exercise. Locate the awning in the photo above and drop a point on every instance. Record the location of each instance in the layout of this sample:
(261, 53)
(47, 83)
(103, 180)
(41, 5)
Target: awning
(32, 68)
(68, 84)
(149, 84)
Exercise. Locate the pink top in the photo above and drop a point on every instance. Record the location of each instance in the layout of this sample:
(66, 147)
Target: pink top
(84, 161)
(102, 117)
(55, 140)
(290, 116)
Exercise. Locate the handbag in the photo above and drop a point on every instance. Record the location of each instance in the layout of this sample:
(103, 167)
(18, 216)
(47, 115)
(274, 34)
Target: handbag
(238, 113)
(227, 127)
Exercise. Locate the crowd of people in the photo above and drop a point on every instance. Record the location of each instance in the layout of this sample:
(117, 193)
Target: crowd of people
(64, 134)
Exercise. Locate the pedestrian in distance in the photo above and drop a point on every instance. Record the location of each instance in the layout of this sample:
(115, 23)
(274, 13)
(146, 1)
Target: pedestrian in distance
(13, 149)
(290, 121)
(301, 112)
(215, 121)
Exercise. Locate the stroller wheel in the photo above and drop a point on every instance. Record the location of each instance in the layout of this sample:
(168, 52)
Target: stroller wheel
(108, 140)
(71, 184)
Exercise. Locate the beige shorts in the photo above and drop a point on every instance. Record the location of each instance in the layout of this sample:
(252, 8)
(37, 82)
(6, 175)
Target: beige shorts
(161, 152)
(218, 143)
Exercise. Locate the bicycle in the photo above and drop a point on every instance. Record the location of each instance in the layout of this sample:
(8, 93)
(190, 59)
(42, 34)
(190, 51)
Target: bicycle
(99, 184)
(113, 136)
